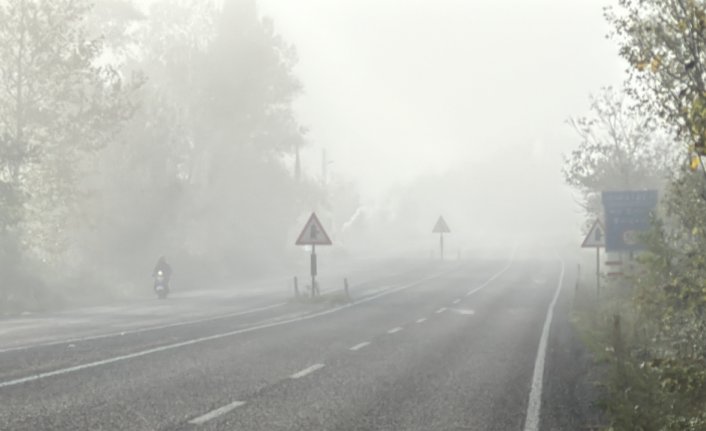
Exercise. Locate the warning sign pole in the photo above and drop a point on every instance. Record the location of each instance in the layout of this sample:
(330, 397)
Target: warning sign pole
(313, 234)
(596, 239)
(441, 228)
(598, 272)
(314, 289)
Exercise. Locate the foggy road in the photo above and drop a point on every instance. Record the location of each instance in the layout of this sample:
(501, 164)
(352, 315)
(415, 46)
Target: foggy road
(423, 346)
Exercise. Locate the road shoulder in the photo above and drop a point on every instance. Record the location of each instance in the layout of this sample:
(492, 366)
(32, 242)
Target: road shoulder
(571, 396)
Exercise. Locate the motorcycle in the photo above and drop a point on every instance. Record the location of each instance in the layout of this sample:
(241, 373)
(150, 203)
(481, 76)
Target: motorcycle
(160, 285)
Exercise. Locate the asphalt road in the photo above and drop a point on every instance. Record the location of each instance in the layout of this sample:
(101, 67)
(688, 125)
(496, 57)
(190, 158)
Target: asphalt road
(422, 346)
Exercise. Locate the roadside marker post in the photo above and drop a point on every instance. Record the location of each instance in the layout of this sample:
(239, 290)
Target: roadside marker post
(313, 234)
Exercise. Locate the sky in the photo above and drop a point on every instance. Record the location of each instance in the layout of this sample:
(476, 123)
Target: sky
(398, 89)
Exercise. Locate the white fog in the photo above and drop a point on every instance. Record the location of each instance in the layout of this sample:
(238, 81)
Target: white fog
(393, 215)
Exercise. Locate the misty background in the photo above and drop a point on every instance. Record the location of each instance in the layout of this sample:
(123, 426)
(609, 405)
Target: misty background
(450, 107)
(209, 131)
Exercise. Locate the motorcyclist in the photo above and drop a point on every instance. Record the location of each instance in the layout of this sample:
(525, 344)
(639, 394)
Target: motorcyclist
(166, 269)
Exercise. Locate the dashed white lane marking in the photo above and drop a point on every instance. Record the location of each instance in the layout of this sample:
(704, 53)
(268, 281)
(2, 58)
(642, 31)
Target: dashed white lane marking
(440, 310)
(393, 330)
(535, 397)
(215, 413)
(463, 311)
(457, 301)
(494, 277)
(360, 346)
(306, 371)
(422, 320)
(218, 336)
(140, 330)
(62, 371)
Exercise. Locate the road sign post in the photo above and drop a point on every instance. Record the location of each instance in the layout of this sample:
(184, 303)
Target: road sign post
(314, 288)
(596, 239)
(441, 228)
(598, 272)
(313, 234)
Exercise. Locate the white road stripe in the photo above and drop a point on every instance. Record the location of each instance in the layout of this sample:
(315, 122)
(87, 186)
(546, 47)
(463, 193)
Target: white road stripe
(422, 320)
(360, 346)
(495, 276)
(140, 330)
(306, 371)
(393, 330)
(168, 347)
(465, 312)
(440, 310)
(535, 397)
(215, 413)
(457, 301)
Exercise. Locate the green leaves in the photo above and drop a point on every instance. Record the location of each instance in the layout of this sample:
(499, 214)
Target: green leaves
(620, 149)
(664, 383)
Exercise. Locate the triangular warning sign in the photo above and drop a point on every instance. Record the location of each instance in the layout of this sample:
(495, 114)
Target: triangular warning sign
(313, 233)
(441, 226)
(595, 237)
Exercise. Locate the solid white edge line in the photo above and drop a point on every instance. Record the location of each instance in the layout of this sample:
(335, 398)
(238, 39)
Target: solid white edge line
(306, 371)
(140, 330)
(440, 310)
(360, 346)
(394, 330)
(534, 404)
(193, 341)
(422, 320)
(217, 412)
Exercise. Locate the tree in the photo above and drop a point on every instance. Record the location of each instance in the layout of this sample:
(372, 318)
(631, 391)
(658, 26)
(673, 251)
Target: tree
(206, 148)
(663, 42)
(246, 127)
(58, 105)
(621, 148)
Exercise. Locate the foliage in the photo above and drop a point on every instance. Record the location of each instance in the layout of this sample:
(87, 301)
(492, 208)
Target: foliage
(664, 43)
(659, 380)
(57, 108)
(126, 134)
(620, 149)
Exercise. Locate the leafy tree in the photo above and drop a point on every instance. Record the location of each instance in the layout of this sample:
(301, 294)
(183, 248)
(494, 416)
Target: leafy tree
(665, 44)
(58, 106)
(206, 148)
(664, 41)
(246, 127)
(620, 149)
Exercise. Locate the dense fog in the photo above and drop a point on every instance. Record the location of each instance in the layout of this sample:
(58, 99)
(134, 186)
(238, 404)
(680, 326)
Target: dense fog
(210, 131)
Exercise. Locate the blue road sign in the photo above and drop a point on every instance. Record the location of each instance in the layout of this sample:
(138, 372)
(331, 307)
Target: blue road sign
(627, 214)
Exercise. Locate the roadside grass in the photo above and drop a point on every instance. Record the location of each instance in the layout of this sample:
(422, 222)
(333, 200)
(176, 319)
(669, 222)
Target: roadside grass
(633, 391)
(606, 324)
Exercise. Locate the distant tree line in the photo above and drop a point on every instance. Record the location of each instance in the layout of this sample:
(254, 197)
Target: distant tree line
(126, 134)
